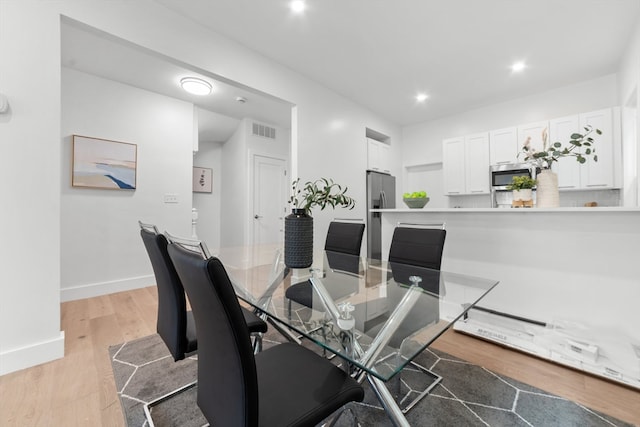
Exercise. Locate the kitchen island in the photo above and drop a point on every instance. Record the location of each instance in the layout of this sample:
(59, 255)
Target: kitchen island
(571, 271)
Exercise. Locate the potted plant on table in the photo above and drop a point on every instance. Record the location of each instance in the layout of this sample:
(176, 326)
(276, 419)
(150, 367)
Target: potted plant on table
(298, 226)
(580, 146)
(522, 187)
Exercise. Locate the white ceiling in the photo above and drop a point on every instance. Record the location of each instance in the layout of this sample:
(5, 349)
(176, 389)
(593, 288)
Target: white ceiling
(380, 53)
(94, 52)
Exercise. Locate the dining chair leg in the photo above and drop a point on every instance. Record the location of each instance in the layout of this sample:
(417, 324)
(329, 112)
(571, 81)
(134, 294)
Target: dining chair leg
(257, 343)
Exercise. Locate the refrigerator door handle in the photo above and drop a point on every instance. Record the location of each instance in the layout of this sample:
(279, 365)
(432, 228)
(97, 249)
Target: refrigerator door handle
(383, 200)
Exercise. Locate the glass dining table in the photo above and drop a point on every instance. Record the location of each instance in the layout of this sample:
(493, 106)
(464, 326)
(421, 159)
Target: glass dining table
(376, 316)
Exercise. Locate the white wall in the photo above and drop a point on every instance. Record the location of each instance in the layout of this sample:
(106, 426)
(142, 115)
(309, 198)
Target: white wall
(100, 246)
(629, 97)
(422, 143)
(552, 264)
(30, 55)
(209, 155)
(30, 172)
(234, 205)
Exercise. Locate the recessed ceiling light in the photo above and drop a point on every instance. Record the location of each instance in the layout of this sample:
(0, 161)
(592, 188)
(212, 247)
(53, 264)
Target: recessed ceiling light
(196, 86)
(297, 6)
(421, 97)
(518, 66)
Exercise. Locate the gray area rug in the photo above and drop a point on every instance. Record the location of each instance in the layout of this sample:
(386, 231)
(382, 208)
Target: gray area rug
(468, 395)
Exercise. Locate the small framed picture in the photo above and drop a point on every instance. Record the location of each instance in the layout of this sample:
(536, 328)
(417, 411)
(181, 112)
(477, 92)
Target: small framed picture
(202, 180)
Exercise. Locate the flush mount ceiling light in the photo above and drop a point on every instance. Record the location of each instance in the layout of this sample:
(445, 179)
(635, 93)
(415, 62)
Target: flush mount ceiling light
(421, 97)
(518, 66)
(196, 86)
(297, 6)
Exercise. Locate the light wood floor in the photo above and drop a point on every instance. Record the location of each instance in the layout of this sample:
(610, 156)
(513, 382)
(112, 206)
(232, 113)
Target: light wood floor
(79, 390)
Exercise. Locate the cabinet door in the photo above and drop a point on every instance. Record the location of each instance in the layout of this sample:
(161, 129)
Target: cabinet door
(503, 146)
(567, 168)
(373, 162)
(477, 163)
(384, 160)
(599, 174)
(453, 166)
(533, 130)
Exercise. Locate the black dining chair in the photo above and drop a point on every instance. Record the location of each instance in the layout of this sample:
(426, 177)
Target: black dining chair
(285, 385)
(342, 238)
(175, 323)
(421, 247)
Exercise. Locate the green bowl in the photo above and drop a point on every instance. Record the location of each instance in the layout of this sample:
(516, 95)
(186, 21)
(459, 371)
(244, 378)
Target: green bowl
(416, 203)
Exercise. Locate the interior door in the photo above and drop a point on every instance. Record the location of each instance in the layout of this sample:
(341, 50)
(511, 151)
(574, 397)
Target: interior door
(269, 203)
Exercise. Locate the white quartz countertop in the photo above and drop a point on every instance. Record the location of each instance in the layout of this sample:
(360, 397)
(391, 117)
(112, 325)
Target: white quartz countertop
(513, 210)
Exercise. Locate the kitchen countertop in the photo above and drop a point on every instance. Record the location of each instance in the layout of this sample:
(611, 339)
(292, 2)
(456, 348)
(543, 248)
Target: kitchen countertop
(513, 210)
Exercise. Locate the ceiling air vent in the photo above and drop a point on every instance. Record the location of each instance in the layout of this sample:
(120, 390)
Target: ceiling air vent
(264, 131)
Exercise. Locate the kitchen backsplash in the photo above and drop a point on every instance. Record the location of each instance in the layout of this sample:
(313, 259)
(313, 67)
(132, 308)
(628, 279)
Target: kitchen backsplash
(568, 199)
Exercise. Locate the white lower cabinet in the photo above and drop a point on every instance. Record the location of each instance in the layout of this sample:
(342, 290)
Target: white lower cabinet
(466, 164)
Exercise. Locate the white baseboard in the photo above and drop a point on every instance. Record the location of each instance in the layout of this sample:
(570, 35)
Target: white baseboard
(31, 355)
(104, 288)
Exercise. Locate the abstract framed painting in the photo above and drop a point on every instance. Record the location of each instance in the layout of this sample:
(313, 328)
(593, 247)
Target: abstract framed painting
(101, 163)
(202, 180)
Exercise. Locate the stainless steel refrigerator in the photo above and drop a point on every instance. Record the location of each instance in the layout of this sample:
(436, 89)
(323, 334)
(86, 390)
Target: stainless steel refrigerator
(381, 194)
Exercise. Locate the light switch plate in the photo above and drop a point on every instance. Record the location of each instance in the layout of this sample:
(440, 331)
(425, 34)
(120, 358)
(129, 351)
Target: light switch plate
(170, 198)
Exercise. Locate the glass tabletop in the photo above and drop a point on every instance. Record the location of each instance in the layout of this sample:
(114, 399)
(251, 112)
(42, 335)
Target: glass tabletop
(376, 315)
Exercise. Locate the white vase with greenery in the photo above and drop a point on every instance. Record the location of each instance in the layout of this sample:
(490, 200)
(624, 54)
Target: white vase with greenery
(580, 146)
(298, 227)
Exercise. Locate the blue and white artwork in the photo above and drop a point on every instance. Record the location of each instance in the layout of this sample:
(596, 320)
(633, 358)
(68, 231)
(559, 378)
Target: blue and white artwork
(100, 163)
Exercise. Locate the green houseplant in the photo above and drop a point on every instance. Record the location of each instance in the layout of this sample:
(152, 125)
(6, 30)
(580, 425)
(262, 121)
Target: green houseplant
(322, 192)
(522, 187)
(298, 226)
(522, 182)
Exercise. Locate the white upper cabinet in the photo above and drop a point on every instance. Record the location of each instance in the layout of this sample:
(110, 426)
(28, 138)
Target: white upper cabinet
(378, 156)
(503, 146)
(567, 168)
(466, 159)
(466, 164)
(588, 175)
(598, 174)
(453, 155)
(477, 163)
(533, 130)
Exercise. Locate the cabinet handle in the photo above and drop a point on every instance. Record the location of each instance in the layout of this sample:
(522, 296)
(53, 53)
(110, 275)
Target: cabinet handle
(596, 185)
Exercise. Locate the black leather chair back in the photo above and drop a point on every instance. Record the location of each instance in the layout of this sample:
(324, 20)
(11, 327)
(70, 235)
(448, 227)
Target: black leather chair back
(227, 378)
(417, 246)
(172, 305)
(344, 237)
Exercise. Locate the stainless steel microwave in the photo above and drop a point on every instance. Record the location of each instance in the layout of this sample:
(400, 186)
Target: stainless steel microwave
(501, 175)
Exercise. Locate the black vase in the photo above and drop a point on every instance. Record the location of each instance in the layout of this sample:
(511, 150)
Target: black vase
(298, 239)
